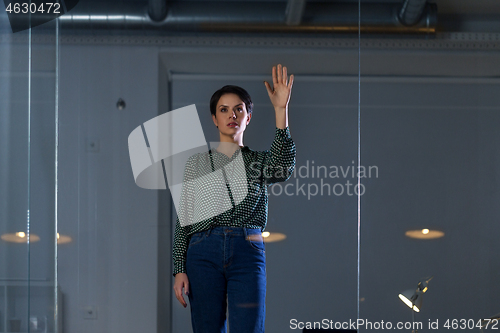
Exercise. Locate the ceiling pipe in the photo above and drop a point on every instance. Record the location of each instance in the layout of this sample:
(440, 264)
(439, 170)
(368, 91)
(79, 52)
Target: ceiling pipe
(411, 11)
(250, 17)
(157, 10)
(294, 12)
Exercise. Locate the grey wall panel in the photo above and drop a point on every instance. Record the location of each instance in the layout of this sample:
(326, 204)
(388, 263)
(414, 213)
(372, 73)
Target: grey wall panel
(111, 263)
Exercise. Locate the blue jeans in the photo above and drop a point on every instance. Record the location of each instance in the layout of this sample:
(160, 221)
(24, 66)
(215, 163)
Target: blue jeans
(227, 261)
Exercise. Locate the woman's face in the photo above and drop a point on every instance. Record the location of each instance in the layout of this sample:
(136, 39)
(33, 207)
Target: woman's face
(231, 115)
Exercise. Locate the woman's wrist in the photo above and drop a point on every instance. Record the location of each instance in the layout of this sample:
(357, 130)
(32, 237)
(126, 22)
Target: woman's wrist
(281, 117)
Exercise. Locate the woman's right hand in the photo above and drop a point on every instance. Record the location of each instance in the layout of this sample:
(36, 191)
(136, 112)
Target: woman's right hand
(181, 281)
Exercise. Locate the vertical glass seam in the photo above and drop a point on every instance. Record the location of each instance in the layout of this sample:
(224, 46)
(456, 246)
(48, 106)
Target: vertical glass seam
(170, 83)
(56, 183)
(359, 154)
(29, 170)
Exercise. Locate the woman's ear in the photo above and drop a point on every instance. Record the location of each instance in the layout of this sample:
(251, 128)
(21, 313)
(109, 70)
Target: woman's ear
(215, 121)
(249, 117)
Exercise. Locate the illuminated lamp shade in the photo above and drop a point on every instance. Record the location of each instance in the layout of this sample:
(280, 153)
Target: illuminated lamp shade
(271, 237)
(424, 234)
(412, 299)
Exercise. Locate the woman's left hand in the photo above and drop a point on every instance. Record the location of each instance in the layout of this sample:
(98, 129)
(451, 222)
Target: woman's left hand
(280, 93)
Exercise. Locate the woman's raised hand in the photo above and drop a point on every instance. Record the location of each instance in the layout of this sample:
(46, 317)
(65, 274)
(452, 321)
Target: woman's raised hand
(280, 93)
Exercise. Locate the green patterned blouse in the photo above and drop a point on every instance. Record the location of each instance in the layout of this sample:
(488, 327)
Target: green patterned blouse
(244, 200)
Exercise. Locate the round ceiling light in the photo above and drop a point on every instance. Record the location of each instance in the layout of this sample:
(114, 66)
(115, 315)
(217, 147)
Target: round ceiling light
(424, 234)
(20, 237)
(270, 237)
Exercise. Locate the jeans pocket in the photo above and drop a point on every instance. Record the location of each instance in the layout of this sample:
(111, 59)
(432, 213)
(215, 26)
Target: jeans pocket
(197, 238)
(256, 241)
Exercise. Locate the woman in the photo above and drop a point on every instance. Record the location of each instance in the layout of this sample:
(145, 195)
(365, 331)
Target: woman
(218, 247)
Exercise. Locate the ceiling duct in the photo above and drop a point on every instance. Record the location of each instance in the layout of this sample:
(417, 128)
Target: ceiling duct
(157, 10)
(252, 17)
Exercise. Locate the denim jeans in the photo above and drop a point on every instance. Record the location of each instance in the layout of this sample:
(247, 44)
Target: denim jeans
(227, 261)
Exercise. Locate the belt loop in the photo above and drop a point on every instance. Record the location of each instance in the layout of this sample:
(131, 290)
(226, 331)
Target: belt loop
(208, 232)
(245, 232)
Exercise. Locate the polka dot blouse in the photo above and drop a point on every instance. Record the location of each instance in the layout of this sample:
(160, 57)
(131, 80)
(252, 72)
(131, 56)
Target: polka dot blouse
(238, 198)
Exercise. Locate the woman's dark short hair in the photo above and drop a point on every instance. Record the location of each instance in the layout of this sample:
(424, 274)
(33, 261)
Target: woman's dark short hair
(229, 89)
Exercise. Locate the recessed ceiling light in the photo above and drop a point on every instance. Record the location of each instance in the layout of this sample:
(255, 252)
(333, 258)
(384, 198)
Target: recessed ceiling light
(424, 234)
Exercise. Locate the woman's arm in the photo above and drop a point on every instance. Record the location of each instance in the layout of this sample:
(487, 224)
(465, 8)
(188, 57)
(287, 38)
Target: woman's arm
(279, 162)
(181, 238)
(181, 241)
(181, 278)
(280, 95)
(184, 218)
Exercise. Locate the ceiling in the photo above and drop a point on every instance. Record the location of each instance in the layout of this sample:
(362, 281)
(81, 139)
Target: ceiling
(474, 16)
(462, 7)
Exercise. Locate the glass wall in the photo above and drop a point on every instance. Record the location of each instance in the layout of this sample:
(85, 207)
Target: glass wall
(429, 122)
(394, 192)
(29, 298)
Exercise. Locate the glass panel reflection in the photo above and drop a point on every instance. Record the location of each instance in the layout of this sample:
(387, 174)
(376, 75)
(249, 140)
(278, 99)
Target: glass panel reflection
(429, 121)
(27, 179)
